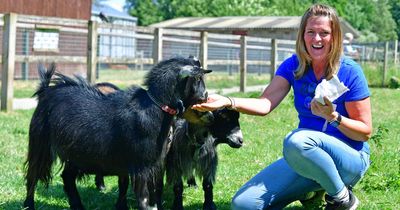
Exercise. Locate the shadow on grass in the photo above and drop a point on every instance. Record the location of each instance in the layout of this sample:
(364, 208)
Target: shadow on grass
(18, 205)
(54, 198)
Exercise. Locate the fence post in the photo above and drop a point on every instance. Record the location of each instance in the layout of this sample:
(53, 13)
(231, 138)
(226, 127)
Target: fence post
(243, 62)
(396, 54)
(92, 51)
(385, 61)
(141, 56)
(25, 65)
(228, 65)
(157, 45)
(8, 61)
(204, 49)
(374, 53)
(274, 56)
(364, 54)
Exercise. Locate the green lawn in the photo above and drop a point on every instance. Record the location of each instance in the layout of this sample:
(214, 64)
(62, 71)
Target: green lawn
(380, 189)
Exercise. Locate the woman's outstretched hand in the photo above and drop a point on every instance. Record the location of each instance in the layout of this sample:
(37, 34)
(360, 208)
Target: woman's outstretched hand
(214, 102)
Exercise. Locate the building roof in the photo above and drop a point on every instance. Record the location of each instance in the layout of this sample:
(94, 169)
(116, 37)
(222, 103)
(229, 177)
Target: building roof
(239, 23)
(110, 12)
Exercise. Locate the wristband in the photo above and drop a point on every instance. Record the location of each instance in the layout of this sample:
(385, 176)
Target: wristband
(233, 104)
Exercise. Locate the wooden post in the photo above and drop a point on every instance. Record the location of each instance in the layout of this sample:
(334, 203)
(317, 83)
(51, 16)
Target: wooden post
(157, 45)
(363, 54)
(396, 54)
(25, 65)
(374, 53)
(274, 57)
(92, 51)
(204, 49)
(8, 61)
(141, 55)
(243, 62)
(385, 61)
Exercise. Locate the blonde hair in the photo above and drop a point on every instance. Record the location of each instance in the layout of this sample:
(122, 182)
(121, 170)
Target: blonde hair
(305, 60)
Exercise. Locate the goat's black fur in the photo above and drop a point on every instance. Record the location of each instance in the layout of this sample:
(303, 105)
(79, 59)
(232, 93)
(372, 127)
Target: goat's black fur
(193, 150)
(123, 133)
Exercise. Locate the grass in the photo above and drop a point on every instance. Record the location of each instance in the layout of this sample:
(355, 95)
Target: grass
(374, 73)
(380, 188)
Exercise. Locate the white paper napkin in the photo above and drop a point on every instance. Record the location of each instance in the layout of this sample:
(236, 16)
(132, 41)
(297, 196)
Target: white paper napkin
(332, 89)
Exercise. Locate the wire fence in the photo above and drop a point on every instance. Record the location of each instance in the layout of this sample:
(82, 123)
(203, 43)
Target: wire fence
(68, 43)
(129, 47)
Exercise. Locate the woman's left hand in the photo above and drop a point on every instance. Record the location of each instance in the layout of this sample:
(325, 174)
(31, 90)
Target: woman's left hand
(214, 102)
(325, 111)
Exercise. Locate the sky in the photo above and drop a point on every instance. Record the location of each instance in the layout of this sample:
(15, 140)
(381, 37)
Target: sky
(116, 4)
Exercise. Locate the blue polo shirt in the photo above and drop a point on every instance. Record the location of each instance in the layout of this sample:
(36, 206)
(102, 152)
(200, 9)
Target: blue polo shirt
(352, 76)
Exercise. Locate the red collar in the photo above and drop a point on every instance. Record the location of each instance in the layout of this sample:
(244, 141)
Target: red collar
(168, 110)
(164, 107)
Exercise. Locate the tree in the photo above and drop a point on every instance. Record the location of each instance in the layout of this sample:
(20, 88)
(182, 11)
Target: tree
(237, 8)
(384, 26)
(372, 18)
(395, 10)
(146, 11)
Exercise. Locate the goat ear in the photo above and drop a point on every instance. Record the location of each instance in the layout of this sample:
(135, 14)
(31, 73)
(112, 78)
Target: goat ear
(186, 71)
(195, 60)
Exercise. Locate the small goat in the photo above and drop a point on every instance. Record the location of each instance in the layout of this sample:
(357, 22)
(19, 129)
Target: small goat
(122, 134)
(193, 150)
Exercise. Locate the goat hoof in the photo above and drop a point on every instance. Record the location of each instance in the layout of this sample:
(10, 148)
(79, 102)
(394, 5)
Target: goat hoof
(77, 207)
(29, 205)
(121, 206)
(191, 182)
(101, 187)
(209, 206)
(177, 206)
(99, 181)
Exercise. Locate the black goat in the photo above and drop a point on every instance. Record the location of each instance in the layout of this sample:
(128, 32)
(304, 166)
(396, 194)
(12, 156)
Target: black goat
(193, 150)
(122, 134)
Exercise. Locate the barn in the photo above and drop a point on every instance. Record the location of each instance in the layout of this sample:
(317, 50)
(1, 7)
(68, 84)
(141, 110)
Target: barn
(41, 31)
(47, 30)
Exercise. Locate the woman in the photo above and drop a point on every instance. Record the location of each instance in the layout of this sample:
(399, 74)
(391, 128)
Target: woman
(329, 150)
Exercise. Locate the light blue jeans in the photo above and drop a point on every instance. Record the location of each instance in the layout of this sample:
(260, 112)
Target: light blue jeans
(312, 161)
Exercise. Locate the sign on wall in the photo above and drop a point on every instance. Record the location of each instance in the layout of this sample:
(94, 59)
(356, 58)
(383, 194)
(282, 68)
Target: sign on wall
(46, 40)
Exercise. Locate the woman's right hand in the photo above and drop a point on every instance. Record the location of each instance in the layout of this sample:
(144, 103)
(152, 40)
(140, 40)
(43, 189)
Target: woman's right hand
(214, 102)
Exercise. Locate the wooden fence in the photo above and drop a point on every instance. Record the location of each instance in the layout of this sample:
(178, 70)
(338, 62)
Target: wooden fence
(81, 44)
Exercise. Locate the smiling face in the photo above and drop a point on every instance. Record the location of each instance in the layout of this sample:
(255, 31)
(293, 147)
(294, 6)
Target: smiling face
(318, 38)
